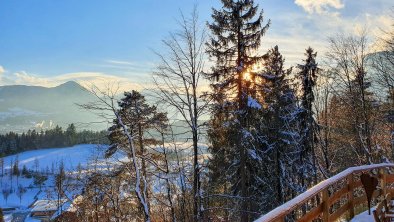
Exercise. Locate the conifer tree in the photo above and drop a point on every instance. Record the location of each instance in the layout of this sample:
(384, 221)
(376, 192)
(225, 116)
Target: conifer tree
(139, 117)
(70, 135)
(219, 149)
(25, 172)
(15, 167)
(281, 139)
(308, 76)
(2, 166)
(236, 29)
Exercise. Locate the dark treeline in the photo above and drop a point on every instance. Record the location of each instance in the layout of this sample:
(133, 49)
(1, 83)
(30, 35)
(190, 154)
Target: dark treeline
(11, 143)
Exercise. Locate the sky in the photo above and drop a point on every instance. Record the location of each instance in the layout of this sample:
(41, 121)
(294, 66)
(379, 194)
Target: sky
(48, 42)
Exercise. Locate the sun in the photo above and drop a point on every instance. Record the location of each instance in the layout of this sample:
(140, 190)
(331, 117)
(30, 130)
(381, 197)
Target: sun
(246, 76)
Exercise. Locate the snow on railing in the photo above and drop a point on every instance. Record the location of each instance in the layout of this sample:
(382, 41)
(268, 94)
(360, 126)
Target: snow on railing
(327, 200)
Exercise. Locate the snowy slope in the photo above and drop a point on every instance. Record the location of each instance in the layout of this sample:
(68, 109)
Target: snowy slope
(71, 157)
(46, 158)
(87, 156)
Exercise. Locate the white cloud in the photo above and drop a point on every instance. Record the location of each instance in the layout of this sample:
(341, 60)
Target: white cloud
(293, 48)
(379, 24)
(100, 80)
(130, 66)
(298, 30)
(86, 79)
(319, 6)
(120, 62)
(24, 78)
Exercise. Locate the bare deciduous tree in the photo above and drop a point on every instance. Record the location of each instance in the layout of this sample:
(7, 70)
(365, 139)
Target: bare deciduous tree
(324, 120)
(178, 84)
(383, 66)
(20, 192)
(6, 192)
(347, 61)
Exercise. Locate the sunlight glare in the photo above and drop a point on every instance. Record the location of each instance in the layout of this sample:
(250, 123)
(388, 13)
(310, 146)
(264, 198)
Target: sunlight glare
(247, 76)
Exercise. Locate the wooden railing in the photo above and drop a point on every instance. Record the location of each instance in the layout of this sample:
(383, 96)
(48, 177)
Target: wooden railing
(335, 197)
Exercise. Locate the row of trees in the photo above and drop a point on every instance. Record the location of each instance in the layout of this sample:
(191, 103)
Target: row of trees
(273, 131)
(354, 108)
(11, 143)
(262, 128)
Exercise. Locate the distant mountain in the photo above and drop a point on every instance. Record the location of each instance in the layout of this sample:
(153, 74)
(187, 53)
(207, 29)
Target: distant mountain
(27, 107)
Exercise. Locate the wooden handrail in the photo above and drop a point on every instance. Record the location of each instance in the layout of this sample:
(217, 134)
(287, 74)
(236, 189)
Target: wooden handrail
(321, 189)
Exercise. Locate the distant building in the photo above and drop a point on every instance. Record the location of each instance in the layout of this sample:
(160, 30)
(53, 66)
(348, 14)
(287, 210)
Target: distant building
(44, 209)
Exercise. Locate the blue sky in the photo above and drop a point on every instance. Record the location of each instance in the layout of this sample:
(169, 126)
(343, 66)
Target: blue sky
(47, 42)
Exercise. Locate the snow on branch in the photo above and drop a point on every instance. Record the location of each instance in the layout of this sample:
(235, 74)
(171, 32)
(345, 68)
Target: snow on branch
(252, 103)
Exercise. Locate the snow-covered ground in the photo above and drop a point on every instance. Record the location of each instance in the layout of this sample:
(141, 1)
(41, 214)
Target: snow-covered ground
(8, 217)
(363, 217)
(43, 160)
(71, 157)
(75, 159)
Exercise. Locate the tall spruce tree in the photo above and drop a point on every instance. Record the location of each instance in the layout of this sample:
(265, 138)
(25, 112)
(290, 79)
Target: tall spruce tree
(236, 29)
(308, 76)
(279, 125)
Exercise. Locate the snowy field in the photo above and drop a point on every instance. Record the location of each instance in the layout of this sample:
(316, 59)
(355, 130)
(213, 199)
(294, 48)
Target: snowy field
(71, 157)
(43, 160)
(76, 159)
(46, 161)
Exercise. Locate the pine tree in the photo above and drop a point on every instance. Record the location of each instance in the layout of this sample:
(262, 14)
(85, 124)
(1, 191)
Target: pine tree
(25, 172)
(236, 36)
(2, 166)
(139, 117)
(15, 169)
(308, 76)
(219, 149)
(70, 135)
(279, 125)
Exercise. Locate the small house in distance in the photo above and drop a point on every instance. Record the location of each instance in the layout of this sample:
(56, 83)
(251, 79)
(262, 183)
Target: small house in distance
(44, 209)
